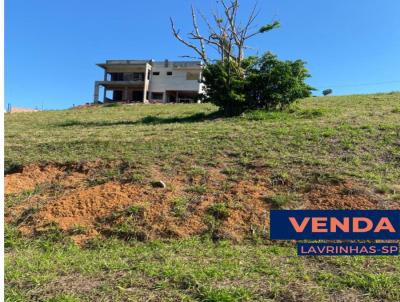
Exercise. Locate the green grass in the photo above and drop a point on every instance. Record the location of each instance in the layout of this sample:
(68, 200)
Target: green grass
(318, 140)
(219, 210)
(353, 135)
(281, 200)
(193, 270)
(179, 206)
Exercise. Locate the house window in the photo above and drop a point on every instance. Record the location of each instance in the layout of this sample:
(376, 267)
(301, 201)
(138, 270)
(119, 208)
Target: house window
(134, 76)
(117, 76)
(157, 95)
(156, 73)
(169, 73)
(138, 76)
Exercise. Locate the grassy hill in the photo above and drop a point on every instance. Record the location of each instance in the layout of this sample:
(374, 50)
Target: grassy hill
(88, 217)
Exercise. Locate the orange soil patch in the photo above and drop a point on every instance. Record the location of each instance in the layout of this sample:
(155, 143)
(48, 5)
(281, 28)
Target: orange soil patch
(96, 210)
(143, 212)
(348, 195)
(29, 178)
(33, 175)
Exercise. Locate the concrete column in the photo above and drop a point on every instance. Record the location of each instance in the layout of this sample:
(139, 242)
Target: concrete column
(125, 94)
(96, 92)
(147, 80)
(104, 93)
(145, 85)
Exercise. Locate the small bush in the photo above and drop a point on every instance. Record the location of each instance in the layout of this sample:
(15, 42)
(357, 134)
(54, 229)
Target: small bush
(225, 87)
(273, 84)
(260, 83)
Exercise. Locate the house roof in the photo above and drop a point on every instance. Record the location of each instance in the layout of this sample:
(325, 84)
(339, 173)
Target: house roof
(175, 64)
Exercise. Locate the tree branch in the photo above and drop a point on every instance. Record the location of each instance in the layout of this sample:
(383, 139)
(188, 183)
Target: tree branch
(226, 34)
(188, 44)
(264, 29)
(200, 38)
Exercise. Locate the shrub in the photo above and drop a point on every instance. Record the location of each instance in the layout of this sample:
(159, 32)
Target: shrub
(259, 83)
(273, 84)
(225, 87)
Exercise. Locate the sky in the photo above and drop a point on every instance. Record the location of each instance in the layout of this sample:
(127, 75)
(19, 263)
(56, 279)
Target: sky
(52, 47)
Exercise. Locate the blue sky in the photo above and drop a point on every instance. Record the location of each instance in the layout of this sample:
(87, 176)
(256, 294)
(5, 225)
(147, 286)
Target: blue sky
(51, 47)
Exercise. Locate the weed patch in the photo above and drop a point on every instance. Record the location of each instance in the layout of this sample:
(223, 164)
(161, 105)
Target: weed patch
(219, 211)
(281, 200)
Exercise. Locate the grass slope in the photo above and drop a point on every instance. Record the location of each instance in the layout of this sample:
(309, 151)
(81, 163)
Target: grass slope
(353, 137)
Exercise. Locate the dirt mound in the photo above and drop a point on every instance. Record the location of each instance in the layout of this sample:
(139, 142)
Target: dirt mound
(83, 206)
(30, 177)
(69, 175)
(190, 204)
(347, 195)
(131, 211)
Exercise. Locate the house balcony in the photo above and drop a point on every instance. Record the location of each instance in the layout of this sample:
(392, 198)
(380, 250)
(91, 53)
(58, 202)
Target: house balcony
(111, 84)
(127, 79)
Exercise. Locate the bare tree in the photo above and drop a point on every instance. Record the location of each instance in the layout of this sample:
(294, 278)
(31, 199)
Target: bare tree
(227, 34)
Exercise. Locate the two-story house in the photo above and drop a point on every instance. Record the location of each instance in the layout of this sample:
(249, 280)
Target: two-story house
(149, 81)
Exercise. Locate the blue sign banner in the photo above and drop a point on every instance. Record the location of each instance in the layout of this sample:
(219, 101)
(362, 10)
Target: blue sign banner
(347, 249)
(334, 224)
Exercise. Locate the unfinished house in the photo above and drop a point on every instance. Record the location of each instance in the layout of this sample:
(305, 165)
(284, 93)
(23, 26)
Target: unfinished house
(149, 81)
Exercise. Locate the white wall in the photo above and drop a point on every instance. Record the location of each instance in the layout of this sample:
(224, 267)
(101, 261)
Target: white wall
(176, 81)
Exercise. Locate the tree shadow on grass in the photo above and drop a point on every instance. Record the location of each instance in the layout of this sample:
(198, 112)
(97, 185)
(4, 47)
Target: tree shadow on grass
(148, 120)
(194, 118)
